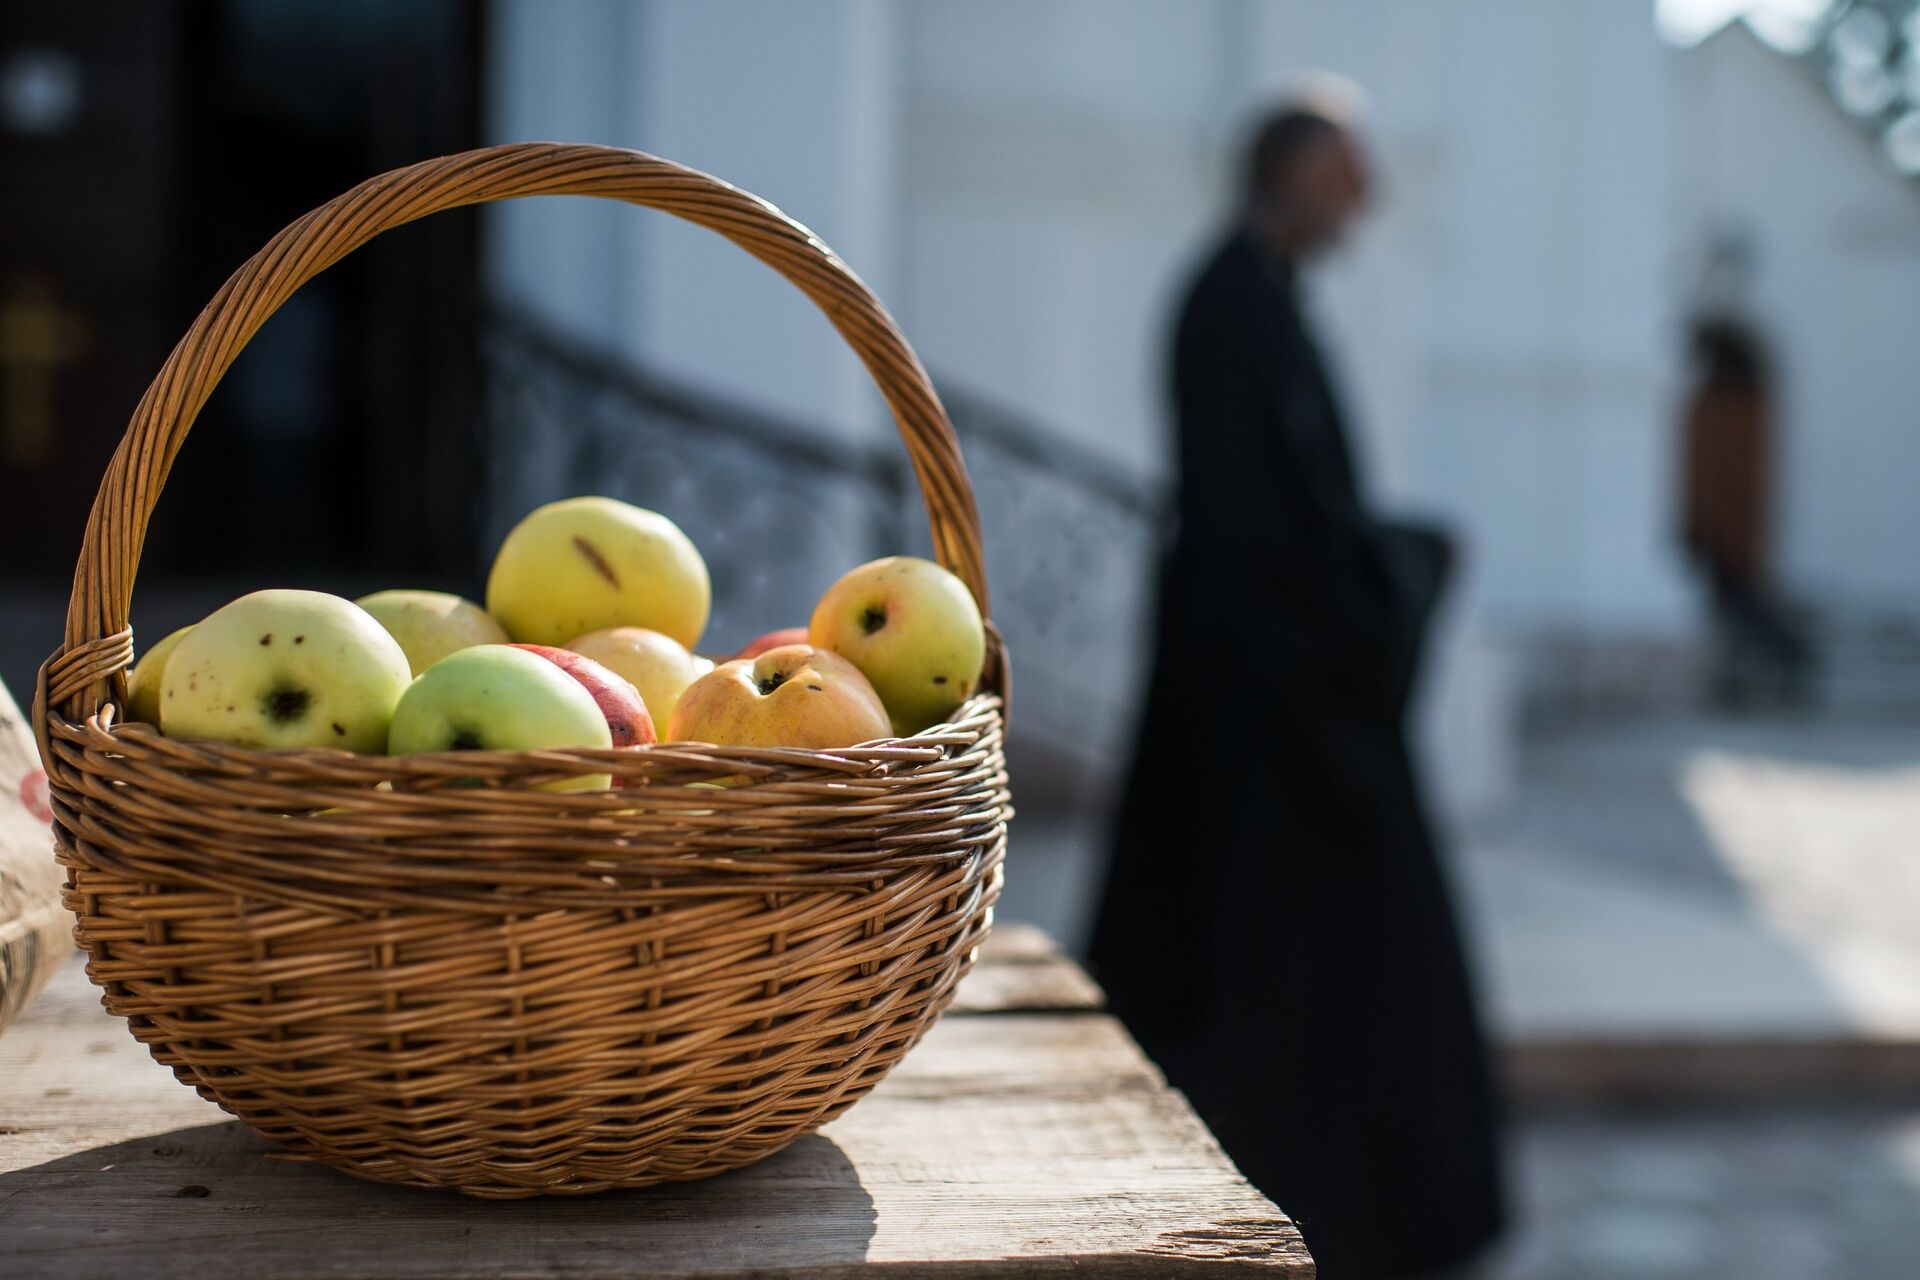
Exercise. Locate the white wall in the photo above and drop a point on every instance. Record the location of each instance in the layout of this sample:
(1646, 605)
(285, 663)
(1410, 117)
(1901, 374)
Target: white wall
(1027, 183)
(557, 73)
(1059, 166)
(794, 102)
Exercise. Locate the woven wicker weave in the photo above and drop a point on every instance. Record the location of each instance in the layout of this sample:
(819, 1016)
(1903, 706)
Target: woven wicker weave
(498, 989)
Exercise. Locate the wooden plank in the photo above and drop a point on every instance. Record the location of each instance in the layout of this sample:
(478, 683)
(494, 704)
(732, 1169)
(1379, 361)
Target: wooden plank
(1014, 943)
(1030, 1144)
(1021, 970)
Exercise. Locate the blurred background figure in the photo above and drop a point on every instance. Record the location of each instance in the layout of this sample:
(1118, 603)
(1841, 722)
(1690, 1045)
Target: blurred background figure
(1275, 928)
(1727, 521)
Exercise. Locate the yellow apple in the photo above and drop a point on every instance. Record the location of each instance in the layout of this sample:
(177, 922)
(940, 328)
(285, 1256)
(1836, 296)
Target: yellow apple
(914, 631)
(586, 564)
(657, 665)
(796, 696)
(431, 624)
(494, 697)
(285, 669)
(143, 686)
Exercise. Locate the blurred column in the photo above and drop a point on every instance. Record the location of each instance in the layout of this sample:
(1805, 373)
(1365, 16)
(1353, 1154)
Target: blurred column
(557, 73)
(795, 102)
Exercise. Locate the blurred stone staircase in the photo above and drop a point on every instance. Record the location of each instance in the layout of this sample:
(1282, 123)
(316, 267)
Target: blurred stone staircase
(1871, 665)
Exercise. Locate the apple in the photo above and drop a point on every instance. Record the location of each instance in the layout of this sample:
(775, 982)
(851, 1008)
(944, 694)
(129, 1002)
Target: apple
(588, 563)
(285, 668)
(914, 631)
(495, 697)
(143, 686)
(628, 719)
(796, 696)
(431, 624)
(773, 640)
(658, 665)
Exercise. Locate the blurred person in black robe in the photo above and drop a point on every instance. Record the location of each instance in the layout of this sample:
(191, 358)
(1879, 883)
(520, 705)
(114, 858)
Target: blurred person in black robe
(1726, 522)
(1276, 928)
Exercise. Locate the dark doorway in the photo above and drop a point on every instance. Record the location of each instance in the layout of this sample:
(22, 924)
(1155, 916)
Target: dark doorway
(146, 150)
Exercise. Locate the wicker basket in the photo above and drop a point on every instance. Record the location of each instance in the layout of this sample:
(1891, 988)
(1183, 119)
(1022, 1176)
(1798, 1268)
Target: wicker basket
(498, 989)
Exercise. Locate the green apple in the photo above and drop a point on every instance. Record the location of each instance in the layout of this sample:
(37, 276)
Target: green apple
(285, 669)
(796, 696)
(431, 624)
(493, 697)
(657, 665)
(586, 564)
(143, 686)
(914, 631)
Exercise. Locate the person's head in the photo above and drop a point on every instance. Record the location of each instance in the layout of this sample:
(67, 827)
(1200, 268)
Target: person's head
(1305, 177)
(1730, 354)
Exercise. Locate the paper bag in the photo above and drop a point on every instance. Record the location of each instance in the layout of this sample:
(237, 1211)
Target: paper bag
(35, 930)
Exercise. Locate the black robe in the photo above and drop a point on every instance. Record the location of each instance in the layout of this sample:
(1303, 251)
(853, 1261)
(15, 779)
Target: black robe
(1276, 929)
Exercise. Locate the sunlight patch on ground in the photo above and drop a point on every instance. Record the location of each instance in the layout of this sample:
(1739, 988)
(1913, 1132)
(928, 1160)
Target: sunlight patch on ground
(1829, 858)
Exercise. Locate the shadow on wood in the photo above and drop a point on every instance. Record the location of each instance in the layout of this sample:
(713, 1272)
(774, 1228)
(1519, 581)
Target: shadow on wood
(113, 1210)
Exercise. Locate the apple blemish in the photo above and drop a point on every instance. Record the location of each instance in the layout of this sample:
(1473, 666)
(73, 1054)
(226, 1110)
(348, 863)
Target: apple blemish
(598, 561)
(284, 705)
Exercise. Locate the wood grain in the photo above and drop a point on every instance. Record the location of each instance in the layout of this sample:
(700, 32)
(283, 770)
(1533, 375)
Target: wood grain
(1021, 971)
(1008, 1144)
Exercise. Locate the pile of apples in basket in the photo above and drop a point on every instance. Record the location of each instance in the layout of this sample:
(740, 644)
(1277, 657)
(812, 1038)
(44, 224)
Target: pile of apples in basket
(594, 610)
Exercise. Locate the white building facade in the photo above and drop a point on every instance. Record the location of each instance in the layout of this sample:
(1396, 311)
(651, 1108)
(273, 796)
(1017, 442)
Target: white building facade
(1026, 183)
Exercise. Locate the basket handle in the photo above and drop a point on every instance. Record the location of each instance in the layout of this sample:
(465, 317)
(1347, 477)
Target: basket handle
(89, 669)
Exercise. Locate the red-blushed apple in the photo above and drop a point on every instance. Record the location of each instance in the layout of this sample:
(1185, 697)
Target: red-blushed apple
(914, 631)
(659, 667)
(628, 719)
(495, 697)
(585, 564)
(796, 696)
(773, 640)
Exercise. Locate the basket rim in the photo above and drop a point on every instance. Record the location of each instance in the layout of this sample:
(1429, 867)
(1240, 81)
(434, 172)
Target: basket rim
(103, 731)
(339, 833)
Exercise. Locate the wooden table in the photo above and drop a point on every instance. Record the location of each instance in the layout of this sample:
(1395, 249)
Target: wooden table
(1026, 1136)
